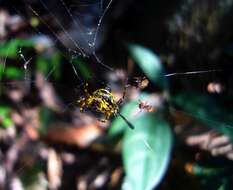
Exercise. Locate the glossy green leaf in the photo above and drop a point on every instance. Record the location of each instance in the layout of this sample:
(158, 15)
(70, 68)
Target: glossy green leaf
(150, 64)
(207, 110)
(146, 152)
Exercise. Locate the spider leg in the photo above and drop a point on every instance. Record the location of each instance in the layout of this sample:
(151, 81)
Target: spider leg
(120, 101)
(128, 123)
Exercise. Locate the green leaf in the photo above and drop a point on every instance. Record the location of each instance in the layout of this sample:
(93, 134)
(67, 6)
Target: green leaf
(118, 125)
(146, 152)
(50, 64)
(150, 64)
(207, 110)
(200, 170)
(6, 120)
(10, 49)
(4, 110)
(82, 68)
(2, 67)
(56, 63)
(42, 64)
(14, 73)
(46, 116)
(226, 184)
(131, 111)
(30, 175)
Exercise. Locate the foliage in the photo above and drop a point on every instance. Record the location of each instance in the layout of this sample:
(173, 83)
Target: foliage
(5, 116)
(207, 110)
(150, 64)
(146, 152)
(36, 118)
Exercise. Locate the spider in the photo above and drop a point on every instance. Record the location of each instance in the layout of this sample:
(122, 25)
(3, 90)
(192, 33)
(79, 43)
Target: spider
(101, 101)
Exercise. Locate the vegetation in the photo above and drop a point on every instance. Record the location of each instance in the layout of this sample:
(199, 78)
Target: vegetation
(118, 104)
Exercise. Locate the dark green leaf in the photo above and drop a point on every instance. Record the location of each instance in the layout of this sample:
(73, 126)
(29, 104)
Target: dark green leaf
(31, 175)
(205, 109)
(56, 63)
(46, 116)
(2, 67)
(52, 65)
(146, 152)
(199, 170)
(42, 64)
(82, 68)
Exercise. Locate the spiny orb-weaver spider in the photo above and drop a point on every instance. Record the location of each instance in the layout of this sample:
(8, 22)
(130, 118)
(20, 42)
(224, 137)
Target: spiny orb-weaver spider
(101, 101)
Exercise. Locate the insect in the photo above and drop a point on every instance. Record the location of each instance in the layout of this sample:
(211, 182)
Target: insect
(140, 82)
(145, 106)
(101, 101)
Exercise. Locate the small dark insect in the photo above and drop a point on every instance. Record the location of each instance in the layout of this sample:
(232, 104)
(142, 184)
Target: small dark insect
(145, 106)
(101, 101)
(139, 82)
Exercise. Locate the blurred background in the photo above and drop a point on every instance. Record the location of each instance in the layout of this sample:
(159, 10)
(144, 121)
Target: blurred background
(169, 66)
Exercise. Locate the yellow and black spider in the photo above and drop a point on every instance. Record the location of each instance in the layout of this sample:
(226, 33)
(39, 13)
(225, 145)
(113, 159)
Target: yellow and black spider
(101, 101)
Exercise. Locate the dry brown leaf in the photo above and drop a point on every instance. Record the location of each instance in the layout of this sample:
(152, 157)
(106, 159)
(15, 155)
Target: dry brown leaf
(54, 169)
(81, 136)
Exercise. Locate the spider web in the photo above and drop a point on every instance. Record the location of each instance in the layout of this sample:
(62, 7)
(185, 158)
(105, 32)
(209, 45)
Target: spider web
(86, 43)
(88, 40)
(83, 36)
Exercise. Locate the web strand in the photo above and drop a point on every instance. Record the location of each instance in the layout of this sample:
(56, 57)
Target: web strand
(192, 72)
(95, 38)
(76, 21)
(48, 26)
(92, 45)
(56, 36)
(74, 69)
(100, 22)
(63, 29)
